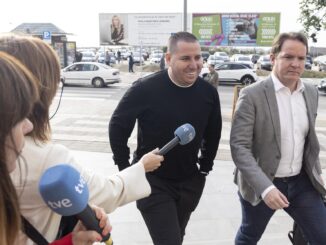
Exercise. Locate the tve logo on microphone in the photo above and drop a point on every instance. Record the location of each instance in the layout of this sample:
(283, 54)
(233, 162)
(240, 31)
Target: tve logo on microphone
(64, 189)
(64, 203)
(80, 185)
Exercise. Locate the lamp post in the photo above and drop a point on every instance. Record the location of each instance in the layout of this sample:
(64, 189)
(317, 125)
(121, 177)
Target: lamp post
(184, 15)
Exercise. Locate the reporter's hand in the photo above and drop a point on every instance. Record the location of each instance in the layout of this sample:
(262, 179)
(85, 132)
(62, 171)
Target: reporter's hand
(103, 218)
(80, 236)
(152, 160)
(276, 200)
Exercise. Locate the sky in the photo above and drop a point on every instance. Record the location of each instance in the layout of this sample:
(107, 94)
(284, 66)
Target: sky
(82, 17)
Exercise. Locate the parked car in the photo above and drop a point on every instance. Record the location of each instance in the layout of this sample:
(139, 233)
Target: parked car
(90, 73)
(156, 58)
(224, 55)
(88, 56)
(322, 85)
(205, 55)
(138, 58)
(242, 59)
(213, 60)
(320, 63)
(264, 63)
(232, 72)
(254, 58)
(309, 59)
(101, 58)
(307, 65)
(125, 55)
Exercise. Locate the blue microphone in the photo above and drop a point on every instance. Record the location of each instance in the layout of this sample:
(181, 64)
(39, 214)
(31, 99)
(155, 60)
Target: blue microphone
(183, 135)
(65, 191)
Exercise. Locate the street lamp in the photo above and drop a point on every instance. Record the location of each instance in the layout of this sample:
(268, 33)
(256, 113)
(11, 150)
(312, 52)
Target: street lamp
(184, 15)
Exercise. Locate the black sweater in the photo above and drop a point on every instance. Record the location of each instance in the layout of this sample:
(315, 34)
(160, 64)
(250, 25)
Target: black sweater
(160, 106)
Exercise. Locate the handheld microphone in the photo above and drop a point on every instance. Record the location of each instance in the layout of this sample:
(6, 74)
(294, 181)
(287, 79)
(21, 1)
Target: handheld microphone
(183, 135)
(65, 191)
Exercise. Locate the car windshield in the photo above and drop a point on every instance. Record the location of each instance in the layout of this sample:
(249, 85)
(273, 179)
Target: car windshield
(244, 58)
(88, 55)
(104, 66)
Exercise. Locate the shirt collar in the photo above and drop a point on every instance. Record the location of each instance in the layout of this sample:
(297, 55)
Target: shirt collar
(185, 86)
(278, 85)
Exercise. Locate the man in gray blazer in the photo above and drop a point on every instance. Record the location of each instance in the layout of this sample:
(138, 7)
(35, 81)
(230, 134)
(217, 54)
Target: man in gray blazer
(275, 148)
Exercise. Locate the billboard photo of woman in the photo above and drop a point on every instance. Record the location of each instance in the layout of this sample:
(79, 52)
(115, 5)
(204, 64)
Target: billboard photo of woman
(117, 30)
(113, 29)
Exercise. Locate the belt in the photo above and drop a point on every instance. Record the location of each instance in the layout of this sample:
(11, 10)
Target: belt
(287, 179)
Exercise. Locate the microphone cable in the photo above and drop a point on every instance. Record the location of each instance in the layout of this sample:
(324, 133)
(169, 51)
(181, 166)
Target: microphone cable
(59, 101)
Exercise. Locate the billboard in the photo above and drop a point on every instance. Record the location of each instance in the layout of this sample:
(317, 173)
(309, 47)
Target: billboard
(138, 29)
(235, 29)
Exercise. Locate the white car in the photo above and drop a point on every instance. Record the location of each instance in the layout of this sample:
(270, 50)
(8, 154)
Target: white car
(213, 60)
(224, 55)
(232, 72)
(245, 59)
(90, 73)
(88, 56)
(156, 58)
(320, 63)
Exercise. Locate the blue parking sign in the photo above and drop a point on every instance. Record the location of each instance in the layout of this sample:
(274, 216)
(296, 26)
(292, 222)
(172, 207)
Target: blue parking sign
(47, 36)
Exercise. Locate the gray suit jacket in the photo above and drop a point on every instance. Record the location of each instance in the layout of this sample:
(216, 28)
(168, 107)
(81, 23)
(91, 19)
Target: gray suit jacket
(256, 140)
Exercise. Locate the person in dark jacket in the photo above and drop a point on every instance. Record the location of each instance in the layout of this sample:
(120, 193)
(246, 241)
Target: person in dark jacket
(160, 103)
(162, 62)
(131, 62)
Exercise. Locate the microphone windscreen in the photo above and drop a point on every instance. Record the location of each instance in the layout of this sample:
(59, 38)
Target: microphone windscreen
(185, 133)
(64, 190)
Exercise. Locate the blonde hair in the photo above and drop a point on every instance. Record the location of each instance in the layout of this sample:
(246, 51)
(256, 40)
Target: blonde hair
(43, 62)
(18, 92)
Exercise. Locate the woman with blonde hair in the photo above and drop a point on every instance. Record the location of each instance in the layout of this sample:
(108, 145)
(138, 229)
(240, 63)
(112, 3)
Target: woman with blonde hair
(117, 30)
(108, 192)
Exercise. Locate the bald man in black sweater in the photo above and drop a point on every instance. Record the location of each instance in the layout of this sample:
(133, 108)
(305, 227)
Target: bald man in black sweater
(161, 103)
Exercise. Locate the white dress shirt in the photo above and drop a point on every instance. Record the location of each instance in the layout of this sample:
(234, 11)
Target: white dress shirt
(294, 128)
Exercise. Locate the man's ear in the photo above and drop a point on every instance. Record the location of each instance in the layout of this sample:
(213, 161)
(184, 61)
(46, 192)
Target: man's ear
(272, 57)
(168, 58)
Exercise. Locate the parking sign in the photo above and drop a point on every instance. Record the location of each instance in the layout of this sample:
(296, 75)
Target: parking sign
(47, 36)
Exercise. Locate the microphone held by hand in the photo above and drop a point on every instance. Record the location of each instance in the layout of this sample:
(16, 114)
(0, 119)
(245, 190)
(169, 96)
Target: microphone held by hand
(65, 191)
(183, 135)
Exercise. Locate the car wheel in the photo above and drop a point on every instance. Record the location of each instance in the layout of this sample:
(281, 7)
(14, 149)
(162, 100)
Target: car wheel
(98, 82)
(246, 80)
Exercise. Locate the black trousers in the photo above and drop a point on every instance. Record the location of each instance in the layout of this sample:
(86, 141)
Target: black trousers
(167, 210)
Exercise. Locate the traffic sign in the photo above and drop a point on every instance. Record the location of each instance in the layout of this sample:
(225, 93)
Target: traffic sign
(47, 36)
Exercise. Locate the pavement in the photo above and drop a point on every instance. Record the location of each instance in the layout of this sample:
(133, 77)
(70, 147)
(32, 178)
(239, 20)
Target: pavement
(215, 221)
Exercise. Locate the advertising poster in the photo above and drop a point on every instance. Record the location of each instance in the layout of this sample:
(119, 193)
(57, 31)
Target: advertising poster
(113, 29)
(269, 28)
(59, 48)
(71, 52)
(236, 29)
(153, 29)
(138, 29)
(206, 28)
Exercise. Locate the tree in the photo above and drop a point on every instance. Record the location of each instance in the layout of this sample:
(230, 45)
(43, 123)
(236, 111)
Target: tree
(313, 17)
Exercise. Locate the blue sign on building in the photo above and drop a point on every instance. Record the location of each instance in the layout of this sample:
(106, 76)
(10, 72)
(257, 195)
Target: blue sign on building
(47, 36)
